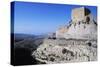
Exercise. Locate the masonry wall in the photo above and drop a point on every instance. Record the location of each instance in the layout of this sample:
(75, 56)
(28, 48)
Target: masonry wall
(78, 14)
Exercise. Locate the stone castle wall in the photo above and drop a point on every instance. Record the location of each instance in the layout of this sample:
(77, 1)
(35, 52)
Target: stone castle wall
(78, 14)
(82, 26)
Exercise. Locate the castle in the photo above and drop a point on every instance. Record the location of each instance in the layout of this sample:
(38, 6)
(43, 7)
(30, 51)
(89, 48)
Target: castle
(80, 14)
(73, 42)
(81, 26)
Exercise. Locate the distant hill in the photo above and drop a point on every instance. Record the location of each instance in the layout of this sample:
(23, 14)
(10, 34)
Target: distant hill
(24, 45)
(20, 37)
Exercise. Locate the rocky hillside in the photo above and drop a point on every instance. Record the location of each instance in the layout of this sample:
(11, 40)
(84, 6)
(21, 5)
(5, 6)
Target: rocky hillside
(73, 43)
(62, 50)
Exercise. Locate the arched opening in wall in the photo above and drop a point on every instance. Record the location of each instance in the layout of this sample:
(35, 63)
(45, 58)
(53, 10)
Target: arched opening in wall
(87, 20)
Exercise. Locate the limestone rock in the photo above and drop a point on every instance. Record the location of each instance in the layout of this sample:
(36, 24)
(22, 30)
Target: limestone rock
(62, 50)
(82, 26)
(75, 42)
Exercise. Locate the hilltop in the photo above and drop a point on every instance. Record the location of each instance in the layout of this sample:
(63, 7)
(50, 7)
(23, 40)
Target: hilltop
(71, 43)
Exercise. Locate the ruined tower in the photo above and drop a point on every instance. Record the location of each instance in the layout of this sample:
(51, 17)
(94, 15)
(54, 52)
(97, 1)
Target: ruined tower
(80, 14)
(82, 25)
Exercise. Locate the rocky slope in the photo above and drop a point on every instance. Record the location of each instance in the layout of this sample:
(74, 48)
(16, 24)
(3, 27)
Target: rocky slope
(62, 50)
(75, 42)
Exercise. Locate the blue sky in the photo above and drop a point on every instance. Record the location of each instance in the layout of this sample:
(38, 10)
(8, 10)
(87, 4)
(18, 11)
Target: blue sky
(42, 18)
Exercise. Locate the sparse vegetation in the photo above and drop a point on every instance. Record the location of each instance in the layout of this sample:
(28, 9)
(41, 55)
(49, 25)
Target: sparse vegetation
(52, 59)
(64, 51)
